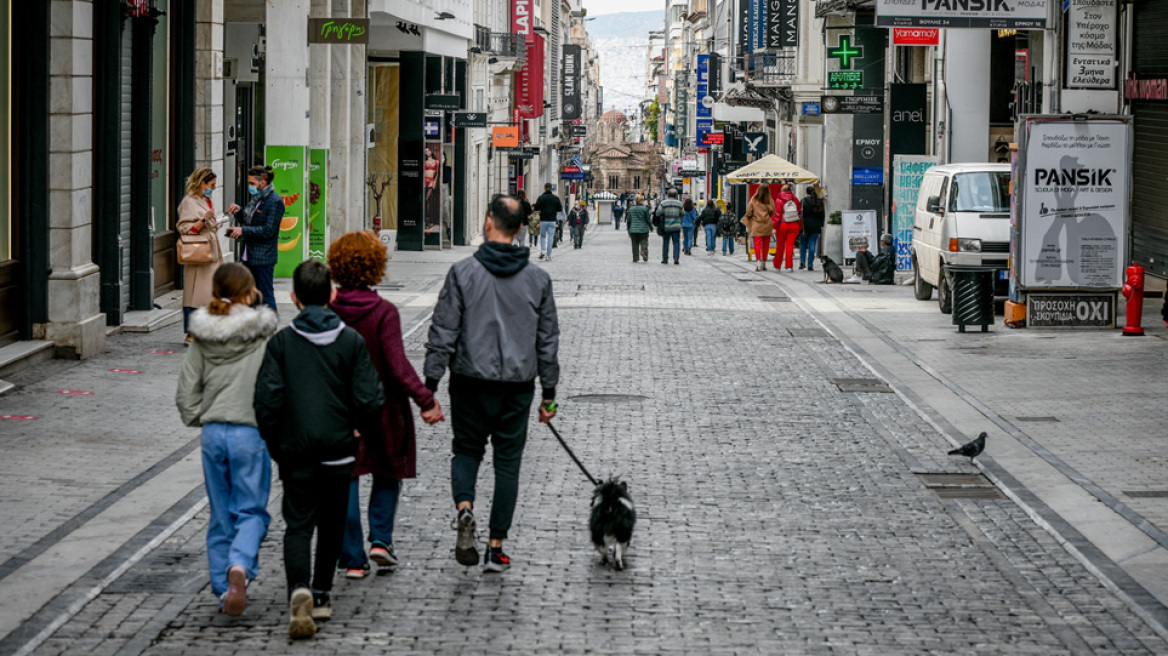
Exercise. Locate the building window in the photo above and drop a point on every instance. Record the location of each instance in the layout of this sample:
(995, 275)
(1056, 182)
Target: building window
(636, 182)
(613, 181)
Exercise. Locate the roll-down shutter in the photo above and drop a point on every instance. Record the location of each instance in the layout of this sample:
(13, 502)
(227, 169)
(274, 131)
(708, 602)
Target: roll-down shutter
(124, 162)
(1150, 165)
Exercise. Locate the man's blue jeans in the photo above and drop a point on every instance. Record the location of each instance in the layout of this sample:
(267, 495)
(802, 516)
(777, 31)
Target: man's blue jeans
(687, 233)
(808, 249)
(382, 509)
(727, 241)
(675, 237)
(711, 236)
(547, 236)
(237, 472)
(265, 283)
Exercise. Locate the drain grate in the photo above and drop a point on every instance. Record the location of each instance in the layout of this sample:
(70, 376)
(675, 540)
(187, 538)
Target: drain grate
(808, 332)
(1146, 494)
(610, 288)
(871, 385)
(608, 398)
(775, 299)
(1039, 419)
(746, 278)
(960, 486)
(171, 581)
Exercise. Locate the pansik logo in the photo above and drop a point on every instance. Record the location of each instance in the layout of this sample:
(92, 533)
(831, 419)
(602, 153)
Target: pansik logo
(1073, 177)
(966, 5)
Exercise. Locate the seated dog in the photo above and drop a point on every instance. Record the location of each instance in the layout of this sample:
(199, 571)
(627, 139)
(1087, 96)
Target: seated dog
(831, 271)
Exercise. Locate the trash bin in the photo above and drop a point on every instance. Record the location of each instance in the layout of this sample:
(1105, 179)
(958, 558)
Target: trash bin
(973, 296)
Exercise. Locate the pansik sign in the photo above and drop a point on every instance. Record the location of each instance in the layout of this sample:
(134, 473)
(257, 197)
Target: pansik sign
(1074, 203)
(570, 75)
(992, 14)
(1091, 54)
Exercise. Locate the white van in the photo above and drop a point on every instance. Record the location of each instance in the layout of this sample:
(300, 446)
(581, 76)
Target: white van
(962, 219)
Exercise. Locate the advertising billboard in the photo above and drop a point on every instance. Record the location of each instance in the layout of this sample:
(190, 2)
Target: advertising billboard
(288, 164)
(1075, 190)
(987, 14)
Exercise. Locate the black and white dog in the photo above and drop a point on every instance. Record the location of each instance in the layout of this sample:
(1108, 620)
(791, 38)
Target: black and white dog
(831, 271)
(612, 521)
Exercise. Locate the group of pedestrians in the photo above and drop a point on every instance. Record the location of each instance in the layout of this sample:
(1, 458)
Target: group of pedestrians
(677, 223)
(789, 221)
(328, 399)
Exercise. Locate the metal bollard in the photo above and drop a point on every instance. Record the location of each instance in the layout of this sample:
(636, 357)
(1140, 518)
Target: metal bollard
(1133, 291)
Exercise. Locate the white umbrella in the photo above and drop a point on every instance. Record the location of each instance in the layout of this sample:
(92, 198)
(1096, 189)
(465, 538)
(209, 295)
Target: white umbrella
(771, 169)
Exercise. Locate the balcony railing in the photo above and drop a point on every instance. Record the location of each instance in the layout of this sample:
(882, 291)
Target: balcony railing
(771, 68)
(501, 44)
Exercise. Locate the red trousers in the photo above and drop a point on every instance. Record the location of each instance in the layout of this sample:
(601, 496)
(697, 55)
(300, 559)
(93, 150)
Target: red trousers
(786, 243)
(762, 248)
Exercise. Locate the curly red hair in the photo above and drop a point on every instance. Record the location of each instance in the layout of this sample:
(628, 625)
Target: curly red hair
(357, 260)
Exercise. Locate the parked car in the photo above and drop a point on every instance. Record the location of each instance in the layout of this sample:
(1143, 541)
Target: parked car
(962, 218)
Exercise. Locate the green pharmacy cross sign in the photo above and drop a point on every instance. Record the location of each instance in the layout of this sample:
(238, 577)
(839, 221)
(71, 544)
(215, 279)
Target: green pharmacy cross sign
(845, 52)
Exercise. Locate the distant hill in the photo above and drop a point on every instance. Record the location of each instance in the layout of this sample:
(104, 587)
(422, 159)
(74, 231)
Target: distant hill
(621, 41)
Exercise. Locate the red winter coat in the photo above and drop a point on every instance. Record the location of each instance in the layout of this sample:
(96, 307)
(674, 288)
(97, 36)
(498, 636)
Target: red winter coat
(393, 453)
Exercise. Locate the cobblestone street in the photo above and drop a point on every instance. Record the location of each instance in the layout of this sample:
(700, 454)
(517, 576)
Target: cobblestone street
(778, 512)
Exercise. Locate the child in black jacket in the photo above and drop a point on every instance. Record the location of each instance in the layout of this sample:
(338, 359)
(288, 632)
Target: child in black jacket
(316, 388)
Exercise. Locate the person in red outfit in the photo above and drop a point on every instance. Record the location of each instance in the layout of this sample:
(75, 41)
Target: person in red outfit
(788, 224)
(357, 262)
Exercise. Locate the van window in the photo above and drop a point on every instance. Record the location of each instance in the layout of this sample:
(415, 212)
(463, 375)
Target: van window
(928, 188)
(980, 192)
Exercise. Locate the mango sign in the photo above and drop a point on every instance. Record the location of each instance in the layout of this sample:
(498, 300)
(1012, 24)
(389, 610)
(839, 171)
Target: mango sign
(349, 31)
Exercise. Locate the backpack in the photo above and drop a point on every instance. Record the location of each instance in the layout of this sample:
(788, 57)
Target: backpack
(790, 211)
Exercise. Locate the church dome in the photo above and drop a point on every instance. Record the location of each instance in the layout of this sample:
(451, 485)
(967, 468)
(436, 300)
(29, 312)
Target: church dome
(613, 116)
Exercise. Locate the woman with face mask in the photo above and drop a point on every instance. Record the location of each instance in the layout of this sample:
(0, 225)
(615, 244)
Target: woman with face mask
(260, 230)
(196, 222)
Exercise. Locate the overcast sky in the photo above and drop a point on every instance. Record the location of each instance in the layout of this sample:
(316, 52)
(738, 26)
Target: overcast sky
(600, 7)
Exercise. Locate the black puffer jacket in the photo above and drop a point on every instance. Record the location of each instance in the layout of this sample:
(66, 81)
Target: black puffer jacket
(813, 214)
(710, 216)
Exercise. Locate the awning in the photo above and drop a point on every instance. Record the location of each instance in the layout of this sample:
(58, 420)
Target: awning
(771, 169)
(605, 195)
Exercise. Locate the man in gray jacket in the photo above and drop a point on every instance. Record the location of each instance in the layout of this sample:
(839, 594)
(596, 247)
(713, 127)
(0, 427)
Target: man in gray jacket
(495, 327)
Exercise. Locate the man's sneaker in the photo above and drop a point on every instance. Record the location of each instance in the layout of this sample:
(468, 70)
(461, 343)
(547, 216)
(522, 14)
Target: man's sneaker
(358, 572)
(383, 554)
(465, 551)
(300, 625)
(235, 599)
(496, 560)
(541, 255)
(322, 607)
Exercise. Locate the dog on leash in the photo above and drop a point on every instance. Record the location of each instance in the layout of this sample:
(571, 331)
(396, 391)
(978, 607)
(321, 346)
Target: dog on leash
(612, 521)
(831, 271)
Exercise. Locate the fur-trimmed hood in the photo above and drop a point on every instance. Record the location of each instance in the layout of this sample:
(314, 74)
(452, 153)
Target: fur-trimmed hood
(225, 338)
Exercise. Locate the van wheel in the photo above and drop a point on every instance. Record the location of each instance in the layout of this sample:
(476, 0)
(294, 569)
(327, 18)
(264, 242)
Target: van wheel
(921, 289)
(944, 292)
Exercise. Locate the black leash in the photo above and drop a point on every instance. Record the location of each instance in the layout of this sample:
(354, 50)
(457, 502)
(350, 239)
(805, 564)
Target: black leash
(573, 455)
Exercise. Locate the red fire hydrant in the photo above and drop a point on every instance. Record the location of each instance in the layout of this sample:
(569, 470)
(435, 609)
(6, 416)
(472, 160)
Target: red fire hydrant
(1133, 291)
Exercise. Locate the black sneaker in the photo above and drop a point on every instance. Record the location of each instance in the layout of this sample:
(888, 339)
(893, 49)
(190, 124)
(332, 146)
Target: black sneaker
(382, 554)
(322, 607)
(496, 560)
(801, 266)
(465, 551)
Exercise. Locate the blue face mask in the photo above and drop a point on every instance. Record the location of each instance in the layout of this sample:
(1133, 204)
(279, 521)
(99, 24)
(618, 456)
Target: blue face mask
(208, 191)
(253, 190)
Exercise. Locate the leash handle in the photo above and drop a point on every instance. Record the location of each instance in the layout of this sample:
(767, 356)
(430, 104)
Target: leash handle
(572, 455)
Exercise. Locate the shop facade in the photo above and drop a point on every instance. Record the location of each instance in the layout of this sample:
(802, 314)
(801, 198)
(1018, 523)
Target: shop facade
(1146, 92)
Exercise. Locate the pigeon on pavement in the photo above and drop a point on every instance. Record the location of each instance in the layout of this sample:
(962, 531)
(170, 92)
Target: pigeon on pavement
(972, 449)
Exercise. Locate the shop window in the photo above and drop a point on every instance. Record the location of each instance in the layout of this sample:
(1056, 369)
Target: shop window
(162, 212)
(383, 112)
(5, 151)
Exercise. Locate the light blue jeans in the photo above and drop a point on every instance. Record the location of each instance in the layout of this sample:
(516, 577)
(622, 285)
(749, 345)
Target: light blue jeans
(547, 236)
(238, 474)
(711, 236)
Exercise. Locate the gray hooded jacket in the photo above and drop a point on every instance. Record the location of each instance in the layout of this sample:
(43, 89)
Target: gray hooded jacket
(495, 320)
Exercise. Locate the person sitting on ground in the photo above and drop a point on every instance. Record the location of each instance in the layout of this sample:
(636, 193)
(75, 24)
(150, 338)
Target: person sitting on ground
(877, 269)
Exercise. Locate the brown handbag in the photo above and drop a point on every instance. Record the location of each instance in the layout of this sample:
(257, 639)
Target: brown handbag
(195, 249)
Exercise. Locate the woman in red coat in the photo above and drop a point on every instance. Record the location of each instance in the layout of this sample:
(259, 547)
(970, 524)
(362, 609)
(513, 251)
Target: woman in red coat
(788, 220)
(357, 262)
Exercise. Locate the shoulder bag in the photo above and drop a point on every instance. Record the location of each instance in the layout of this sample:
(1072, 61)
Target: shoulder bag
(195, 249)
